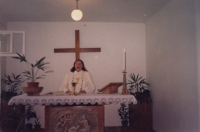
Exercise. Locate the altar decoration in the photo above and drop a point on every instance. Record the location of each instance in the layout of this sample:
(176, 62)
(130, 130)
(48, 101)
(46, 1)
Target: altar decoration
(66, 99)
(32, 73)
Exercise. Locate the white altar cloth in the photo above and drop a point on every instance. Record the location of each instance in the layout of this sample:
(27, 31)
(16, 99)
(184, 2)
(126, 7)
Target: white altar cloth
(46, 100)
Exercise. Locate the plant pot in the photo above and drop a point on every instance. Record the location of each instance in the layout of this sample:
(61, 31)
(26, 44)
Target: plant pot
(124, 123)
(33, 84)
(29, 126)
(32, 90)
(37, 127)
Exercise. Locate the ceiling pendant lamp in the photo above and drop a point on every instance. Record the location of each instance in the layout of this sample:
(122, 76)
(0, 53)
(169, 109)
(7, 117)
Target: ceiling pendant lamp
(76, 13)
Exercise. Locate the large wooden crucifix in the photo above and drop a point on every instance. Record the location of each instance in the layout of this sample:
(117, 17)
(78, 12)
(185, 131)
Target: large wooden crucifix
(77, 48)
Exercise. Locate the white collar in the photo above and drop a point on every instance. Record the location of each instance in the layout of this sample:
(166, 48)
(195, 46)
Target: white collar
(75, 72)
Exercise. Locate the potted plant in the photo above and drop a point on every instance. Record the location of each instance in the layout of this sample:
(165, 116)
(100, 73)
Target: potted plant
(138, 86)
(13, 82)
(28, 115)
(37, 125)
(123, 112)
(32, 73)
(10, 88)
(10, 115)
(141, 113)
(12, 120)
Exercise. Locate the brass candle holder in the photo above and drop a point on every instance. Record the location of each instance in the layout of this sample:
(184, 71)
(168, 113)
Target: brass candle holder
(124, 89)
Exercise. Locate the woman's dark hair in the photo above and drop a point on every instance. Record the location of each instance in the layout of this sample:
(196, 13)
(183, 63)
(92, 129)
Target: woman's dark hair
(83, 68)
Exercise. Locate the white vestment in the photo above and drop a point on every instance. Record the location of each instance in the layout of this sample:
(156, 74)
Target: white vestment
(83, 79)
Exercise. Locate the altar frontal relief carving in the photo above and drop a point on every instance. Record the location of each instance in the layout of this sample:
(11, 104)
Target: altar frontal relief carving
(73, 119)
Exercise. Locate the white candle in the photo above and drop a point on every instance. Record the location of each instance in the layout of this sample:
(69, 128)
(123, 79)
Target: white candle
(124, 60)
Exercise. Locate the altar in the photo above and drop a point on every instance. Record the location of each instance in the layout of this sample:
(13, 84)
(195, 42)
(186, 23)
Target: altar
(65, 112)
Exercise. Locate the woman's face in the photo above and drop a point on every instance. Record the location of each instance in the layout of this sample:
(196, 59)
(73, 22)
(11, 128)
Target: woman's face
(78, 66)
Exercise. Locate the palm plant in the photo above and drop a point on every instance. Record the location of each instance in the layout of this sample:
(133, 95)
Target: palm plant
(10, 115)
(13, 82)
(33, 69)
(140, 85)
(137, 83)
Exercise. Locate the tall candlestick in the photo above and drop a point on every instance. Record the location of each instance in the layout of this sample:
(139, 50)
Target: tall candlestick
(124, 60)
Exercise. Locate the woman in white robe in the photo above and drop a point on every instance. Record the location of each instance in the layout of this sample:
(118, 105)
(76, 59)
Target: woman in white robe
(82, 78)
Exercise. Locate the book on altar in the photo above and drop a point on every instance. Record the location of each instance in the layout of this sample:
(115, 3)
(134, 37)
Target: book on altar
(110, 88)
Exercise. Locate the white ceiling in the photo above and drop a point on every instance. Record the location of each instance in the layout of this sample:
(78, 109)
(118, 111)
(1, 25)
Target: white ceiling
(93, 10)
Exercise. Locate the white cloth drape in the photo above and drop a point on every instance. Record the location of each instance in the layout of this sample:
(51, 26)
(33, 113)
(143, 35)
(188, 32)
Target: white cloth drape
(67, 99)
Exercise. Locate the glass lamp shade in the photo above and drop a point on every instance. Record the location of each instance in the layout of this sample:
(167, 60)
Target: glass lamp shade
(77, 14)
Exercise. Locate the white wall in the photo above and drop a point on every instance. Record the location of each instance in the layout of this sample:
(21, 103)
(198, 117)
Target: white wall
(197, 21)
(172, 67)
(3, 23)
(105, 66)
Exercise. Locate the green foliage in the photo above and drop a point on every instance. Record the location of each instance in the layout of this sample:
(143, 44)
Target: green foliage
(15, 118)
(123, 112)
(137, 83)
(143, 97)
(30, 113)
(37, 121)
(140, 86)
(11, 120)
(33, 69)
(13, 82)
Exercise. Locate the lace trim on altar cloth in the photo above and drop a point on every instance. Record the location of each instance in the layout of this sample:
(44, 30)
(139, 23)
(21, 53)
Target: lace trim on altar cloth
(56, 100)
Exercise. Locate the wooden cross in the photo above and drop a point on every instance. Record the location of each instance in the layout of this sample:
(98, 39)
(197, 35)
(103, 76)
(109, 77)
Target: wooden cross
(77, 48)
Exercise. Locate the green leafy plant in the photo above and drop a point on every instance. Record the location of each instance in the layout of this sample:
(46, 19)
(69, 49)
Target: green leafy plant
(137, 83)
(123, 112)
(37, 125)
(30, 113)
(12, 120)
(138, 86)
(37, 121)
(13, 82)
(33, 69)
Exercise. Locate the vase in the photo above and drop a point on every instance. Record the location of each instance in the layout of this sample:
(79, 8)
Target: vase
(32, 90)
(29, 126)
(124, 123)
(37, 127)
(33, 84)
